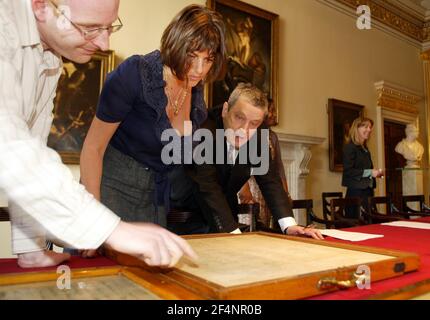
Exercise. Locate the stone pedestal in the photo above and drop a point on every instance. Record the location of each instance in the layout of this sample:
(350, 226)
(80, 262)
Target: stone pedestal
(412, 182)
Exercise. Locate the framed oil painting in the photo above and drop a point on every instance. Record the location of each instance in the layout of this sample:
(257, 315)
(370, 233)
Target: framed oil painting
(75, 104)
(341, 114)
(252, 51)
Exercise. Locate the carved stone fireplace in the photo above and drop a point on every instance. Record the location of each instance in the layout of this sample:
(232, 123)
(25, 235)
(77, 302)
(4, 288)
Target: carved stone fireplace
(296, 154)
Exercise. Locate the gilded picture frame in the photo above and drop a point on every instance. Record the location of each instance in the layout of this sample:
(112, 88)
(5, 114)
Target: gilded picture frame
(252, 50)
(75, 103)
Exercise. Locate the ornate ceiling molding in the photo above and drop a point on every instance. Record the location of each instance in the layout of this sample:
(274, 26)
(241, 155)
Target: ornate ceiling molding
(426, 55)
(394, 14)
(397, 98)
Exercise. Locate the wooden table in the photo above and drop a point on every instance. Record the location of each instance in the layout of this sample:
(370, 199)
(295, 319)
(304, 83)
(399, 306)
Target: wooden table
(247, 266)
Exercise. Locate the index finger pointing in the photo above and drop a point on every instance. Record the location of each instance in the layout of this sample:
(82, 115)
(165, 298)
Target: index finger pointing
(186, 248)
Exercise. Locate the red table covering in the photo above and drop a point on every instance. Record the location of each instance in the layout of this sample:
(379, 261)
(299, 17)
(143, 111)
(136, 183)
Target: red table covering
(397, 238)
(10, 265)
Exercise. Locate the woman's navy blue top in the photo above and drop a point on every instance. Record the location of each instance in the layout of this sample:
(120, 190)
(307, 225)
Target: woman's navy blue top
(134, 95)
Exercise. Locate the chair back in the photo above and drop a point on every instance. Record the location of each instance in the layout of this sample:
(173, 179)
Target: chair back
(326, 197)
(385, 201)
(338, 215)
(306, 204)
(390, 212)
(410, 199)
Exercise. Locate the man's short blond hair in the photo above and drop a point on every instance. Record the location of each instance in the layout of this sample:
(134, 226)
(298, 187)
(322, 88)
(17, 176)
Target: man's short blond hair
(251, 93)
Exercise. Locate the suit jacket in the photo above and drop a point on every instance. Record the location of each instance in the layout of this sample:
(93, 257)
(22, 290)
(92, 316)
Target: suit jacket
(355, 160)
(218, 184)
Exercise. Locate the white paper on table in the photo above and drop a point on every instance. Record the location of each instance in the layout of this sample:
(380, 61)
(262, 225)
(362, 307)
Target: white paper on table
(350, 236)
(408, 224)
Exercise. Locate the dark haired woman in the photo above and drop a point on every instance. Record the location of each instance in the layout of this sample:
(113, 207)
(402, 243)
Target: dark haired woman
(121, 158)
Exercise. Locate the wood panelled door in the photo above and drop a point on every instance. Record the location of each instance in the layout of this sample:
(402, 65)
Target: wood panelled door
(393, 133)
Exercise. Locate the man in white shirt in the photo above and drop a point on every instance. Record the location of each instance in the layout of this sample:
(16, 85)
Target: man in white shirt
(43, 196)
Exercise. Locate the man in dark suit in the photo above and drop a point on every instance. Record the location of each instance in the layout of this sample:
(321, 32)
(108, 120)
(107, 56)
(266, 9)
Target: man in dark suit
(241, 151)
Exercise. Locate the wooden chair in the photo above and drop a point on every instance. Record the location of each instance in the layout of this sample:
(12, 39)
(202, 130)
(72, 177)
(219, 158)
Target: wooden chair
(391, 212)
(4, 214)
(252, 209)
(419, 199)
(376, 216)
(326, 197)
(311, 217)
(306, 204)
(337, 212)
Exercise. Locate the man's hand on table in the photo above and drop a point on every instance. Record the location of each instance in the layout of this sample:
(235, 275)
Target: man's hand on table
(305, 231)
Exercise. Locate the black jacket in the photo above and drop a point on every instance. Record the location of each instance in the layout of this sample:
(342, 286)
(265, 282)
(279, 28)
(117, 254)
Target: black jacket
(220, 183)
(355, 160)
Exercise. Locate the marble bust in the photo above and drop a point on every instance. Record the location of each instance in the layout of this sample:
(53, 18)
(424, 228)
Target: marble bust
(410, 148)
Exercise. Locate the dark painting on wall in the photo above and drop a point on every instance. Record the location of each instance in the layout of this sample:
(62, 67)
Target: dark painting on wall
(341, 114)
(76, 102)
(252, 49)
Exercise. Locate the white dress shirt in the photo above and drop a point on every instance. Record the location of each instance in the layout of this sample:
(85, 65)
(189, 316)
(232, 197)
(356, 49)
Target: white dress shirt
(41, 190)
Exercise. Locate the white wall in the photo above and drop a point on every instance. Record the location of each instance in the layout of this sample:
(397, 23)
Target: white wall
(144, 22)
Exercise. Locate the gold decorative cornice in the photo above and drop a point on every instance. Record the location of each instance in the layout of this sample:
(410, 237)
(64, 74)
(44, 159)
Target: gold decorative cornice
(397, 105)
(426, 55)
(395, 98)
(391, 16)
(426, 32)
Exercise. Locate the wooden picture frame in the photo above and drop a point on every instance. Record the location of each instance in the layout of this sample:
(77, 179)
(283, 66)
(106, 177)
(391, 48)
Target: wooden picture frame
(146, 285)
(295, 287)
(139, 280)
(341, 114)
(75, 104)
(252, 50)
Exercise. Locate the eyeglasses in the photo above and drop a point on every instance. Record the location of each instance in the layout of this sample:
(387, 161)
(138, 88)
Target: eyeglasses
(89, 34)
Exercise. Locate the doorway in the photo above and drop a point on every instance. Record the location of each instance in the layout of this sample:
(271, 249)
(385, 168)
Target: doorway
(394, 132)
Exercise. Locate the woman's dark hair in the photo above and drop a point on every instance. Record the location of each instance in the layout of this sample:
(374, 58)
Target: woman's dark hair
(195, 28)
